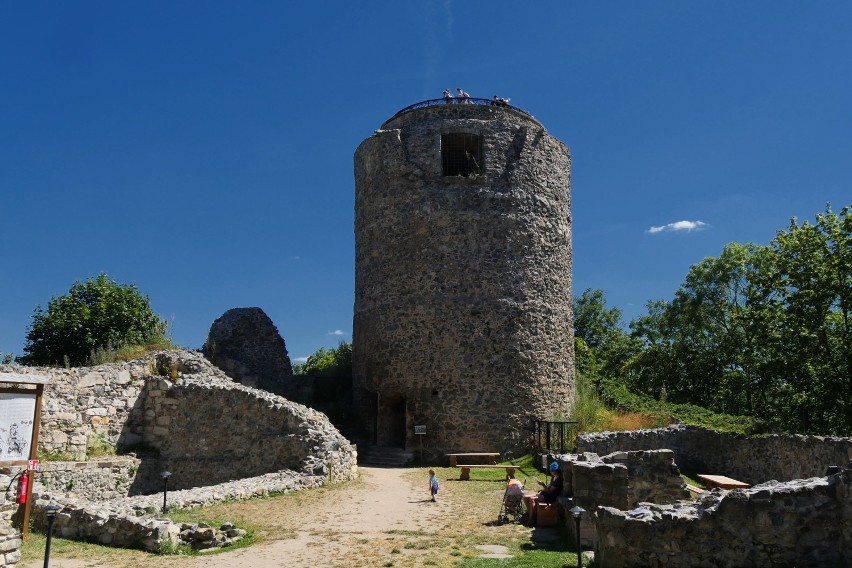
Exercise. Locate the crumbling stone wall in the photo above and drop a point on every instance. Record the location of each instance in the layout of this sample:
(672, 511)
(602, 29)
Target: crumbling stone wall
(89, 405)
(752, 459)
(97, 479)
(462, 319)
(10, 544)
(219, 430)
(795, 523)
(202, 426)
(245, 344)
(622, 479)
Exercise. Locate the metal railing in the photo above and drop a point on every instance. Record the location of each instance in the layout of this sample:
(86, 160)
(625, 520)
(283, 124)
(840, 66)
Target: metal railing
(459, 101)
(554, 437)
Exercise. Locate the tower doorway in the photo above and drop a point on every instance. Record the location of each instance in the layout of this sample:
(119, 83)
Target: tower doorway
(391, 421)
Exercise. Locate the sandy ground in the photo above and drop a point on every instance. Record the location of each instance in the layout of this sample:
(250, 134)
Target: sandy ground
(384, 501)
(341, 530)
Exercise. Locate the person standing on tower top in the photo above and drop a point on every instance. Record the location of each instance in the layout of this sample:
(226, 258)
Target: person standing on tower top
(462, 95)
(448, 96)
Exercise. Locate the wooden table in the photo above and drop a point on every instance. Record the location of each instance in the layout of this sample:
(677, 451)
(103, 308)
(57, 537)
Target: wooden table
(712, 481)
(490, 458)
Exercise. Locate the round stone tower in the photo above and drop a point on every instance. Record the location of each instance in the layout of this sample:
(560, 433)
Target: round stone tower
(462, 320)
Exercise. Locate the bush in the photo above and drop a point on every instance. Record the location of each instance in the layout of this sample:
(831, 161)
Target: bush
(97, 315)
(617, 395)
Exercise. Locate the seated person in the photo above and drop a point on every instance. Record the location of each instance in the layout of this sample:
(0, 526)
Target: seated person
(549, 494)
(553, 490)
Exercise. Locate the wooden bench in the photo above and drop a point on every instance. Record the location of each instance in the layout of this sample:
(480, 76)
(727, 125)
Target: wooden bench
(721, 481)
(490, 458)
(465, 469)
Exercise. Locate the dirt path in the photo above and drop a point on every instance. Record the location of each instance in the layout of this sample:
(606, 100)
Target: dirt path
(335, 532)
(384, 514)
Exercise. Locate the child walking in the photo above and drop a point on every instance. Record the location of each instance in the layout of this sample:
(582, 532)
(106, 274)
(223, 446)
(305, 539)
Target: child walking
(433, 484)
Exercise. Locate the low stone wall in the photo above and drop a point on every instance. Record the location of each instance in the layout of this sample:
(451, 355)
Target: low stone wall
(796, 523)
(96, 480)
(10, 545)
(752, 459)
(622, 479)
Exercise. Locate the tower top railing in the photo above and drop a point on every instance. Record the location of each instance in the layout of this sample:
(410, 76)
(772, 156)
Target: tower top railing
(460, 101)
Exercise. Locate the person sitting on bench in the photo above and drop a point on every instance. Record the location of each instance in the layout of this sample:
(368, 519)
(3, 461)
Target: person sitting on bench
(549, 494)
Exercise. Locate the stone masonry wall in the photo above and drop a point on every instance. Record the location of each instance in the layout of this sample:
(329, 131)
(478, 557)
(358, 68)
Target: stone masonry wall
(85, 406)
(622, 479)
(796, 523)
(201, 425)
(245, 344)
(462, 312)
(10, 545)
(752, 459)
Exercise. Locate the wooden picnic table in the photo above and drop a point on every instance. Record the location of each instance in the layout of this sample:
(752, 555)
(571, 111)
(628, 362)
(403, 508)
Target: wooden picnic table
(712, 481)
(490, 457)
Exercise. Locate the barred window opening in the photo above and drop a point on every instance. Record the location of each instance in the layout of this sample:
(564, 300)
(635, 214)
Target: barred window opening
(461, 155)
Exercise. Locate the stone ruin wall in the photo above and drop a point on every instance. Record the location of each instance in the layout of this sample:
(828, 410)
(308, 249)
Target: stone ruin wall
(204, 428)
(219, 439)
(463, 285)
(804, 522)
(245, 344)
(752, 459)
(789, 523)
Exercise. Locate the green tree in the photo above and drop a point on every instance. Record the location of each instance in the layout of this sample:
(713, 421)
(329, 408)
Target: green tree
(96, 313)
(601, 345)
(762, 330)
(329, 362)
(814, 273)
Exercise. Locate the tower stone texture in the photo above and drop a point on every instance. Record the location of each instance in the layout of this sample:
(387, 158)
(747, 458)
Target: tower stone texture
(462, 319)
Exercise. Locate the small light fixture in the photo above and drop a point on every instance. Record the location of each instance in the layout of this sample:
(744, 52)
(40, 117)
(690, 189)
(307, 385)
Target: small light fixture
(577, 512)
(50, 512)
(165, 475)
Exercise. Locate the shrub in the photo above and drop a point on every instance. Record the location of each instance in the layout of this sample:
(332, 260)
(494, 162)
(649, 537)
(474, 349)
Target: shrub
(96, 316)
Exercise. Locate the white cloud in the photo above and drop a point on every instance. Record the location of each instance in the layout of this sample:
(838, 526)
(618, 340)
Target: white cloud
(679, 226)
(300, 360)
(337, 332)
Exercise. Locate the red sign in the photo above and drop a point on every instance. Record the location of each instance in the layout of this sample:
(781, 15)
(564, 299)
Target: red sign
(32, 464)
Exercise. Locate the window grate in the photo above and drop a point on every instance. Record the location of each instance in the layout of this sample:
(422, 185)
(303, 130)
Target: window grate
(461, 155)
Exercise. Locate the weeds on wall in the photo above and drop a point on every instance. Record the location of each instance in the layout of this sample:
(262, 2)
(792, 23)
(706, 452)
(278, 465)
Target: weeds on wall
(98, 445)
(114, 354)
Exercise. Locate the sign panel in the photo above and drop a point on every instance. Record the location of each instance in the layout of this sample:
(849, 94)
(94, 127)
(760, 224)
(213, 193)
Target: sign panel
(420, 429)
(17, 411)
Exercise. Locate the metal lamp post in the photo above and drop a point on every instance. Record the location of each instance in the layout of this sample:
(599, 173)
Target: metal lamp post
(577, 513)
(165, 475)
(50, 512)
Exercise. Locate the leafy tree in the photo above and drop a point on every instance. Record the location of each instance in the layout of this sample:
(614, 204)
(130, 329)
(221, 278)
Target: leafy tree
(762, 330)
(329, 362)
(95, 314)
(814, 273)
(601, 345)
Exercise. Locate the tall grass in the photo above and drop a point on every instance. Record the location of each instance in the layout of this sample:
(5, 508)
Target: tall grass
(111, 354)
(593, 415)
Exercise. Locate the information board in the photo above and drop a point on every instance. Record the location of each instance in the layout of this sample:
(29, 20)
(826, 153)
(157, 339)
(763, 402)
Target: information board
(17, 411)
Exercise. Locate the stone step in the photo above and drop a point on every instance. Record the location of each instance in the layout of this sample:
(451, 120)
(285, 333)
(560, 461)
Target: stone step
(384, 456)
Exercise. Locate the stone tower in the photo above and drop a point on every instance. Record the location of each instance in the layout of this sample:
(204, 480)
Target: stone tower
(462, 319)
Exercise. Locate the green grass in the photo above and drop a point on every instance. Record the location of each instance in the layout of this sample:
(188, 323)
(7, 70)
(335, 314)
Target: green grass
(528, 555)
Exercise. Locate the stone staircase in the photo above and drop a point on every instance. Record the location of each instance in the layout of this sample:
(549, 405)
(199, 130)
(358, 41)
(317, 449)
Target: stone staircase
(384, 456)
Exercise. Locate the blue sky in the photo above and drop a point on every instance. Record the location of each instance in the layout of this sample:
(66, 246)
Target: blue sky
(203, 150)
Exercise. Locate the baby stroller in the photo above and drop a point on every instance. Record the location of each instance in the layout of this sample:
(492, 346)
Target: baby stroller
(512, 507)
